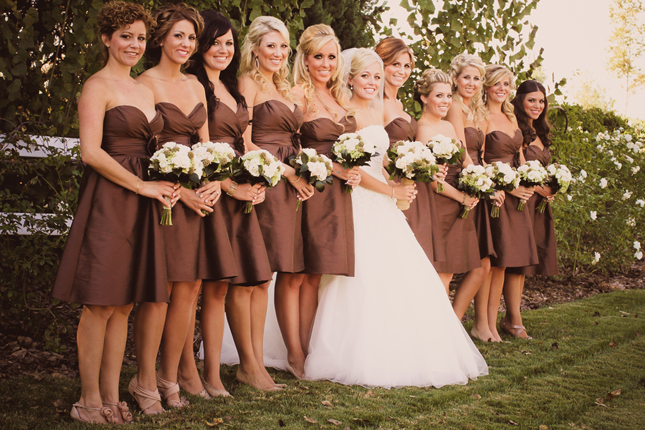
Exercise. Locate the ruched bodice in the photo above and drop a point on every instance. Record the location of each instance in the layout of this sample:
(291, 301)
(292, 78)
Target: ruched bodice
(474, 142)
(322, 133)
(127, 132)
(228, 126)
(402, 129)
(179, 127)
(502, 147)
(275, 128)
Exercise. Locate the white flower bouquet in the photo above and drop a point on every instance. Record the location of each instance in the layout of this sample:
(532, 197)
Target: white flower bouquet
(447, 151)
(559, 180)
(214, 161)
(474, 181)
(257, 167)
(411, 161)
(174, 163)
(314, 168)
(350, 150)
(531, 174)
(505, 179)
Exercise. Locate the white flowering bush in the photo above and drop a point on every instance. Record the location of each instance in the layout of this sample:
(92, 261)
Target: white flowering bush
(602, 217)
(257, 167)
(312, 167)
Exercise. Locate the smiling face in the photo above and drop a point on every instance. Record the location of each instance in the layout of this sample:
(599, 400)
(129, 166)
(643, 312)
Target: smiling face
(468, 82)
(438, 101)
(399, 71)
(324, 63)
(533, 104)
(221, 52)
(272, 52)
(500, 90)
(180, 42)
(127, 44)
(366, 84)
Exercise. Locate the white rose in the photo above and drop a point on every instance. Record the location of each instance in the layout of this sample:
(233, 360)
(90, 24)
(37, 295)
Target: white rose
(593, 215)
(350, 144)
(318, 170)
(603, 183)
(253, 166)
(181, 160)
(311, 152)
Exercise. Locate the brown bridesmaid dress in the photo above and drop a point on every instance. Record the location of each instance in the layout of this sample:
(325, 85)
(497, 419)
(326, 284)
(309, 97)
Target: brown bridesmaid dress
(543, 224)
(327, 217)
(512, 232)
(115, 252)
(244, 232)
(192, 252)
(423, 215)
(275, 128)
(474, 143)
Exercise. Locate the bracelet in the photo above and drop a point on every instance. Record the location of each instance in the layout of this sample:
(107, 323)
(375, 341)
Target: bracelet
(231, 189)
(297, 179)
(137, 190)
(392, 192)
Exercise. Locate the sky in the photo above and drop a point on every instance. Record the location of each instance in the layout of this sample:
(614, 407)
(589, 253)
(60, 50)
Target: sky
(575, 37)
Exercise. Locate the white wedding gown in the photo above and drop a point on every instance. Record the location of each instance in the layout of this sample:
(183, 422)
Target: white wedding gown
(392, 324)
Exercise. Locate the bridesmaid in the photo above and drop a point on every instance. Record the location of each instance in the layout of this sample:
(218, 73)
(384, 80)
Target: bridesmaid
(114, 254)
(181, 100)
(422, 215)
(531, 107)
(215, 65)
(467, 116)
(327, 220)
(274, 123)
(512, 232)
(433, 92)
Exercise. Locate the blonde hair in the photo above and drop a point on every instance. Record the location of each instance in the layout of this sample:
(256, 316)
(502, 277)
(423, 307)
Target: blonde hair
(494, 74)
(425, 84)
(261, 26)
(361, 60)
(476, 110)
(311, 42)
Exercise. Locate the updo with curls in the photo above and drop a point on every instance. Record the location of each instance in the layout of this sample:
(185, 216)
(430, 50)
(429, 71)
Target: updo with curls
(429, 78)
(119, 14)
(167, 16)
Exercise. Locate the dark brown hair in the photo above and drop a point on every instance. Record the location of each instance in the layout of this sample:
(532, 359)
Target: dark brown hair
(167, 16)
(119, 14)
(541, 126)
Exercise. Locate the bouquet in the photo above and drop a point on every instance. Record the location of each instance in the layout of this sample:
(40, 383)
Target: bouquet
(411, 161)
(350, 150)
(559, 180)
(447, 151)
(474, 181)
(216, 160)
(504, 177)
(257, 167)
(531, 174)
(314, 168)
(174, 163)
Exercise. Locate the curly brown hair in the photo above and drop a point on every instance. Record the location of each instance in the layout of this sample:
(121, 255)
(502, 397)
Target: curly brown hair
(166, 17)
(118, 14)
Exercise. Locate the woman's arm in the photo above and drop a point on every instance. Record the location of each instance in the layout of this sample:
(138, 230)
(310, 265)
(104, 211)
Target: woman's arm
(399, 192)
(456, 195)
(456, 118)
(248, 88)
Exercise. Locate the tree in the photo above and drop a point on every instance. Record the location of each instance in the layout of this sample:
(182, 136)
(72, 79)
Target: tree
(627, 43)
(589, 94)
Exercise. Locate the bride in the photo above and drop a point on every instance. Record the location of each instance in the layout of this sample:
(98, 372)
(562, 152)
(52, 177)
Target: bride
(392, 324)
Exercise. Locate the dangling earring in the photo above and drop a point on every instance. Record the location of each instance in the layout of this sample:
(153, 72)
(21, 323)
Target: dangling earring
(257, 62)
(351, 87)
(425, 107)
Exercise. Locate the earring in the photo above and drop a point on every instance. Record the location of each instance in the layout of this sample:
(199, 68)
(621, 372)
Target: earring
(351, 87)
(257, 63)
(425, 108)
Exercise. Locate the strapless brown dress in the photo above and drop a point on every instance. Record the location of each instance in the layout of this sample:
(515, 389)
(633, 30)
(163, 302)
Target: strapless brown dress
(543, 224)
(275, 128)
(327, 217)
(115, 252)
(192, 252)
(512, 232)
(481, 217)
(249, 251)
(423, 215)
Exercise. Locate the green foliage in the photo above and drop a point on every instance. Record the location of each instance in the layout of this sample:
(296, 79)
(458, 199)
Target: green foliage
(599, 146)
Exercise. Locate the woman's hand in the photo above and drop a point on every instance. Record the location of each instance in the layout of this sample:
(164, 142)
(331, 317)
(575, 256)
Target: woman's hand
(498, 198)
(469, 201)
(210, 192)
(304, 189)
(160, 190)
(546, 192)
(523, 193)
(351, 176)
(441, 175)
(250, 193)
(192, 201)
(405, 192)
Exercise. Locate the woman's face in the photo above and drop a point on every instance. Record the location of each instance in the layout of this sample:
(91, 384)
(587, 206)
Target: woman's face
(127, 44)
(272, 52)
(221, 52)
(323, 64)
(438, 101)
(500, 91)
(468, 82)
(399, 71)
(179, 43)
(367, 83)
(533, 104)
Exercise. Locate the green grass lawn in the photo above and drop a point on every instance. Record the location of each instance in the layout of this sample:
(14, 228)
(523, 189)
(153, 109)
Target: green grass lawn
(582, 352)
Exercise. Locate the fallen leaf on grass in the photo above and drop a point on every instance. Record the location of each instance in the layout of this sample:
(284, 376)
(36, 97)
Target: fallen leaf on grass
(414, 397)
(596, 314)
(554, 345)
(600, 402)
(369, 393)
(335, 422)
(614, 394)
(638, 334)
(476, 396)
(216, 422)
(310, 420)
(625, 313)
(326, 403)
(595, 323)
(281, 423)
(513, 423)
(543, 427)
(612, 343)
(525, 352)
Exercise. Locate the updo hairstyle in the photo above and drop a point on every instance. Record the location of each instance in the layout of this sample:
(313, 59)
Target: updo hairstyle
(167, 16)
